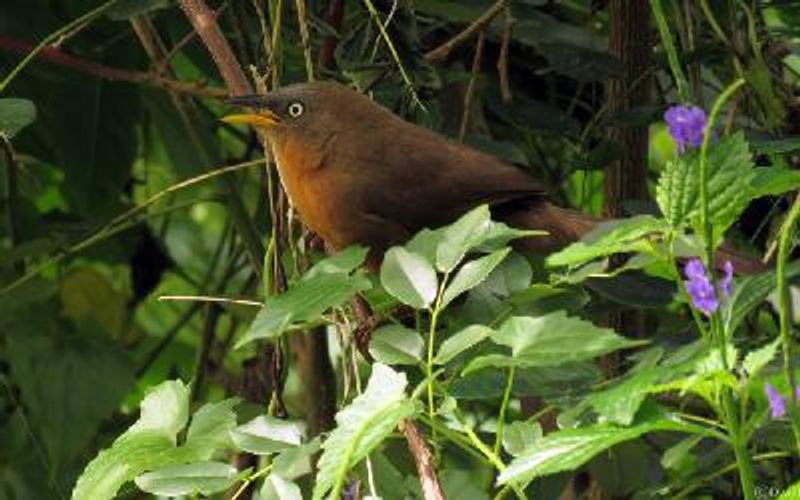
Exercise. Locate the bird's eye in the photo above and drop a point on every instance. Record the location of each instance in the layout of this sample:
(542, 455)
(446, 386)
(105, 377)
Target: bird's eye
(295, 109)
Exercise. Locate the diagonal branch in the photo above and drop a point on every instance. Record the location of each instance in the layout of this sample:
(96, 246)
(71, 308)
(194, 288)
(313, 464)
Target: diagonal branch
(443, 51)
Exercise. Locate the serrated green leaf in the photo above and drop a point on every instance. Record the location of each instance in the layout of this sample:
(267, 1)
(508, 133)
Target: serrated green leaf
(676, 191)
(362, 426)
(305, 301)
(460, 342)
(15, 115)
(758, 359)
(471, 274)
(204, 478)
(608, 238)
(265, 435)
(396, 345)
(409, 278)
(556, 338)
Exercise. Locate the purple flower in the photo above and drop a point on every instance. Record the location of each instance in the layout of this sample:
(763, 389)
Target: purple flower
(699, 287)
(725, 284)
(776, 406)
(686, 125)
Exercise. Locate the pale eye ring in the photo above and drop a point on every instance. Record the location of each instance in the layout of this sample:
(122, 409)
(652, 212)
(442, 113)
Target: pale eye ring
(295, 109)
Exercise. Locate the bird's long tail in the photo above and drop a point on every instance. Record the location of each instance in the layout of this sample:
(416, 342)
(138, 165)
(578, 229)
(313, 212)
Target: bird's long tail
(566, 226)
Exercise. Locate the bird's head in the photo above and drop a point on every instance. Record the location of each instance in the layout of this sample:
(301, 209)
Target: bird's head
(303, 112)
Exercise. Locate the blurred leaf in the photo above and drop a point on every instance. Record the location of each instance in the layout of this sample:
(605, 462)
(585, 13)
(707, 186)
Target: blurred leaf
(277, 488)
(396, 345)
(471, 274)
(556, 338)
(363, 425)
(676, 456)
(776, 146)
(203, 478)
(540, 299)
(460, 342)
(305, 301)
(295, 462)
(70, 381)
(759, 77)
(15, 115)
(749, 293)
(409, 278)
(88, 293)
(791, 492)
(519, 437)
(265, 435)
(608, 238)
(123, 10)
(774, 181)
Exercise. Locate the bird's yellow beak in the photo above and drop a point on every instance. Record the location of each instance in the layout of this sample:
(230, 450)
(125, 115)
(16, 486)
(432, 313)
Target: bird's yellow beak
(263, 119)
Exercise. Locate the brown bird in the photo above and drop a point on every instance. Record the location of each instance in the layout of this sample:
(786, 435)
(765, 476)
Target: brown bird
(358, 174)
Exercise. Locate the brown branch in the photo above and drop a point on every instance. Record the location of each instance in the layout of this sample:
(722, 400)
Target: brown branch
(476, 67)
(442, 52)
(55, 55)
(423, 460)
(204, 22)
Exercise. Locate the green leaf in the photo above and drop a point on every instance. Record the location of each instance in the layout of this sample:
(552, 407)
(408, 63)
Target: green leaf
(210, 428)
(776, 146)
(204, 478)
(460, 342)
(277, 488)
(306, 301)
(748, 293)
(758, 359)
(569, 449)
(265, 435)
(675, 456)
(556, 338)
(296, 462)
(123, 10)
(69, 381)
(425, 243)
(791, 493)
(15, 115)
(730, 171)
(346, 261)
(513, 275)
(460, 237)
(408, 277)
(396, 345)
(471, 274)
(620, 403)
(774, 181)
(520, 437)
(145, 445)
(608, 238)
(362, 426)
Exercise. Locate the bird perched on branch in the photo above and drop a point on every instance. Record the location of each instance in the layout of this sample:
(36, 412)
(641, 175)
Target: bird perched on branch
(358, 174)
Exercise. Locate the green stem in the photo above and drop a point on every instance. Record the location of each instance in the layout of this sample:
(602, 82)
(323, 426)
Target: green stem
(785, 308)
(708, 230)
(503, 406)
(437, 306)
(70, 28)
(743, 461)
(669, 48)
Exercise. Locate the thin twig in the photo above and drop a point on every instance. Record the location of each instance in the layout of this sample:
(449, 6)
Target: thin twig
(443, 51)
(57, 56)
(423, 460)
(502, 59)
(204, 298)
(302, 22)
(476, 67)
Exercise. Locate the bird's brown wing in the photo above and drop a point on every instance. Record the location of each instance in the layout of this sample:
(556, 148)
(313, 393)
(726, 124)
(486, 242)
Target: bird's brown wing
(417, 179)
